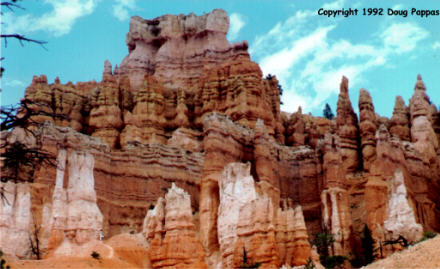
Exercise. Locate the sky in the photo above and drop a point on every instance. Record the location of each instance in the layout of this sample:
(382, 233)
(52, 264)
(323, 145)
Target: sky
(308, 52)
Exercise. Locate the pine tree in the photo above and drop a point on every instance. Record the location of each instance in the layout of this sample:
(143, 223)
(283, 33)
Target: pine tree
(328, 112)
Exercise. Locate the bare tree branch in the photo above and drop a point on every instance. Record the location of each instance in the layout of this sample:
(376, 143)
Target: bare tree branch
(22, 38)
(10, 5)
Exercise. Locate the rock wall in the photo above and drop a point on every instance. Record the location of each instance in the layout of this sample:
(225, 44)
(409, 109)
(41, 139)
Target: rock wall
(247, 223)
(186, 107)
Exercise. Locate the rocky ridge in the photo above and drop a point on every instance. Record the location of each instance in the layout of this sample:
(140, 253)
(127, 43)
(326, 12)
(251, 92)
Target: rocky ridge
(188, 125)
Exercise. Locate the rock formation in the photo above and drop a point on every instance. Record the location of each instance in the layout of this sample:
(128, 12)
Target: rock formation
(74, 217)
(291, 237)
(15, 219)
(105, 116)
(170, 230)
(147, 122)
(367, 128)
(401, 219)
(399, 124)
(186, 108)
(347, 129)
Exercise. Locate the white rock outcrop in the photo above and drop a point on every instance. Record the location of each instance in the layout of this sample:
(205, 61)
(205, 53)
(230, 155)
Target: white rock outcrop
(400, 218)
(73, 217)
(15, 219)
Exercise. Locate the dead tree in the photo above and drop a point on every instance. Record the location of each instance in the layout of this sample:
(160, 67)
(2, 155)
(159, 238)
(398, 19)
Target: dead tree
(12, 5)
(18, 158)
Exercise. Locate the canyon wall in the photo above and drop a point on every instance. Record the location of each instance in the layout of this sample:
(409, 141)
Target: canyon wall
(185, 143)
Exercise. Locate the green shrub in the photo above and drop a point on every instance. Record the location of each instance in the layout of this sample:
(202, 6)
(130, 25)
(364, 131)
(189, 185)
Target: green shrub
(426, 235)
(334, 261)
(309, 264)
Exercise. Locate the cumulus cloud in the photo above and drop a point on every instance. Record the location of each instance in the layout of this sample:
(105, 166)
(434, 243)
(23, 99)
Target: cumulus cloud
(236, 22)
(14, 83)
(58, 21)
(309, 63)
(403, 37)
(122, 7)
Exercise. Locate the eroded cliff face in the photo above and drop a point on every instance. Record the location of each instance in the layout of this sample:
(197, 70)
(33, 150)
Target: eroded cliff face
(188, 125)
(72, 218)
(170, 231)
(15, 219)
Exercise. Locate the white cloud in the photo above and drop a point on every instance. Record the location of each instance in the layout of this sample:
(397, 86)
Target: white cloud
(398, 7)
(334, 5)
(236, 22)
(403, 37)
(122, 7)
(14, 83)
(436, 45)
(58, 21)
(309, 63)
(283, 60)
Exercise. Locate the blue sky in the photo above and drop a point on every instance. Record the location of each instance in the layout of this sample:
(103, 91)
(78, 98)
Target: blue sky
(307, 52)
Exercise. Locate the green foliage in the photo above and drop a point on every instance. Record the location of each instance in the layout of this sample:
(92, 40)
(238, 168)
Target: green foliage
(309, 264)
(327, 112)
(324, 242)
(280, 88)
(95, 255)
(426, 235)
(334, 261)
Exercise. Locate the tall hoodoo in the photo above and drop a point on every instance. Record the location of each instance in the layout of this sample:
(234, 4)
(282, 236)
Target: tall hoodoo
(367, 128)
(347, 129)
(399, 123)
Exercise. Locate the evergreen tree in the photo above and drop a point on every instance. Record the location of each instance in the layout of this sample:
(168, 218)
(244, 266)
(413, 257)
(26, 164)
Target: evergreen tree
(328, 112)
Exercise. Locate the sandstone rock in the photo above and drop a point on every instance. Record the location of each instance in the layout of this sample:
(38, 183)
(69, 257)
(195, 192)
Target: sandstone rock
(422, 133)
(244, 219)
(401, 220)
(336, 217)
(40, 97)
(15, 219)
(346, 121)
(75, 218)
(291, 237)
(367, 128)
(224, 142)
(177, 48)
(399, 124)
(187, 139)
(235, 89)
(296, 130)
(170, 230)
(146, 123)
(105, 116)
(186, 106)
